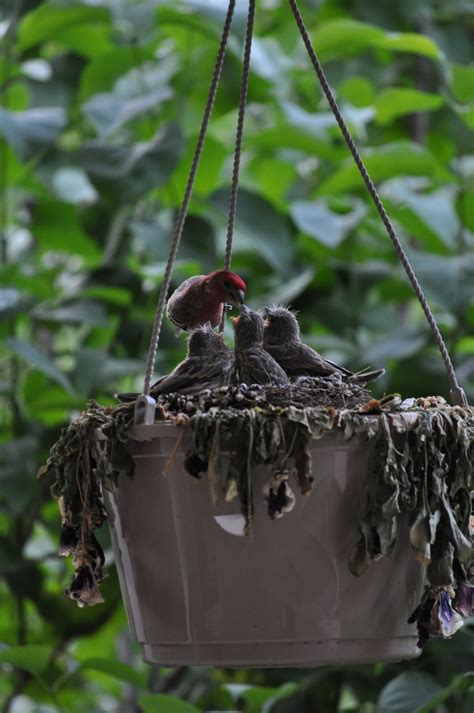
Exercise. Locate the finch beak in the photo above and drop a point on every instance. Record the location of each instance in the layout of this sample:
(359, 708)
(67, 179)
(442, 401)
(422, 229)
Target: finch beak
(234, 320)
(236, 298)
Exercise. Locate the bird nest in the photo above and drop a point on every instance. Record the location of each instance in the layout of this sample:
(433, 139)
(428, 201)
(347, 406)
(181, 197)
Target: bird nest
(421, 471)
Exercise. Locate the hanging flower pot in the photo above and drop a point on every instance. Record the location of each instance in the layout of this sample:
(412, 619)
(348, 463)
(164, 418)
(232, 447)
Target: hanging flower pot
(243, 534)
(291, 524)
(197, 591)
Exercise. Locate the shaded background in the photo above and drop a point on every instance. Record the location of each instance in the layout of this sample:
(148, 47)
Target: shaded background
(100, 107)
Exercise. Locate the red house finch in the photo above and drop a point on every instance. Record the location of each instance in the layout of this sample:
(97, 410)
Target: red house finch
(282, 341)
(254, 364)
(209, 363)
(201, 299)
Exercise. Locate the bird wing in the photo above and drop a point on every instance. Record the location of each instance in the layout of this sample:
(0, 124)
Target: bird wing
(257, 366)
(184, 301)
(297, 359)
(192, 375)
(195, 374)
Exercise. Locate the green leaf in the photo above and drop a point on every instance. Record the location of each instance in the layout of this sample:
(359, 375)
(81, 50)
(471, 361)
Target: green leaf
(127, 171)
(398, 101)
(313, 124)
(40, 361)
(18, 468)
(358, 91)
(459, 685)
(286, 292)
(49, 22)
(46, 403)
(160, 703)
(288, 136)
(465, 345)
(139, 91)
(216, 699)
(107, 112)
(319, 124)
(214, 11)
(261, 178)
(208, 178)
(33, 658)
(95, 370)
(448, 281)
(112, 295)
(56, 227)
(89, 40)
(407, 693)
(343, 38)
(259, 228)
(101, 72)
(317, 220)
(400, 344)
(74, 312)
(436, 209)
(387, 161)
(12, 302)
(339, 38)
(467, 117)
(38, 69)
(256, 697)
(462, 82)
(33, 129)
(466, 208)
(409, 42)
(118, 670)
(72, 185)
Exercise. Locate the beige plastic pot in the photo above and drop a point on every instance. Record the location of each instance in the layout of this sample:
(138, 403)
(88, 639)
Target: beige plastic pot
(199, 592)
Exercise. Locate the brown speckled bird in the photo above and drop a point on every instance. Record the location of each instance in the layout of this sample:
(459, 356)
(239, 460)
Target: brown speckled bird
(209, 364)
(200, 299)
(282, 341)
(254, 364)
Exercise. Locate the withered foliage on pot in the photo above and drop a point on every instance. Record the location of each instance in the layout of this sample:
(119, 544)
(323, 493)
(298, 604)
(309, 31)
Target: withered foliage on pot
(421, 474)
(80, 464)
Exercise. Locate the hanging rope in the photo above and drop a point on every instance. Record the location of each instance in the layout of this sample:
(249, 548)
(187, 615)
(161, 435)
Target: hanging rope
(457, 394)
(238, 138)
(178, 230)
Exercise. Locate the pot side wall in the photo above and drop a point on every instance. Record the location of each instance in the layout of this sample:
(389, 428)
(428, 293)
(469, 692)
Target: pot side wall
(196, 594)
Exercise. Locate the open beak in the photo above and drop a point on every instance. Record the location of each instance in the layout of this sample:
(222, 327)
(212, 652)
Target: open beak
(266, 311)
(236, 298)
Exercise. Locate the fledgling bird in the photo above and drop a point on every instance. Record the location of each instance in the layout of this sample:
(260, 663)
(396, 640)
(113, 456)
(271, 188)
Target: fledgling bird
(282, 340)
(200, 299)
(209, 364)
(254, 364)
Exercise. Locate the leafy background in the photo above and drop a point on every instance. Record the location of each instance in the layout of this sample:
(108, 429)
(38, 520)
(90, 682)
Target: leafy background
(100, 107)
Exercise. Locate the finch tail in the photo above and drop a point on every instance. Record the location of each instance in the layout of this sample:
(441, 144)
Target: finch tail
(126, 398)
(366, 377)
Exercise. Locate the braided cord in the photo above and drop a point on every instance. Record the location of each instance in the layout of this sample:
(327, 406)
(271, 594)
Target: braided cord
(457, 394)
(238, 138)
(178, 230)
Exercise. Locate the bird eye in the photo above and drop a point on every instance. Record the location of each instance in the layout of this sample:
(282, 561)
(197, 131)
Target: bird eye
(227, 283)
